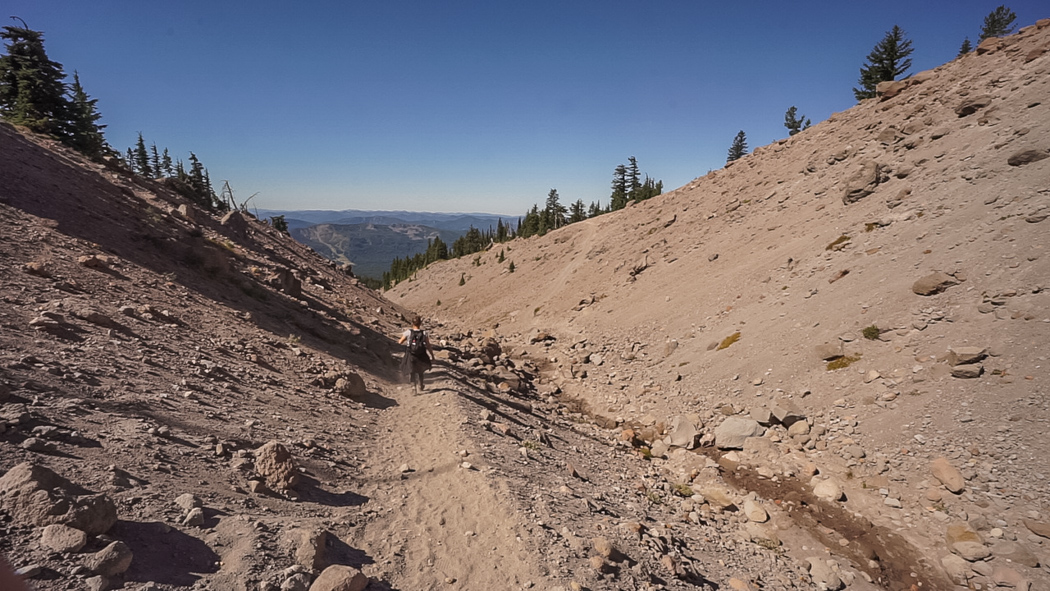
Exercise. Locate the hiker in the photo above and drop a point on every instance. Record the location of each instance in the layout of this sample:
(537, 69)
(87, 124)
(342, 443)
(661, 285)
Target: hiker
(419, 354)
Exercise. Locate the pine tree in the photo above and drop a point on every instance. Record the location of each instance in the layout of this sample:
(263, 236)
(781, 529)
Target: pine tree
(85, 134)
(739, 147)
(618, 199)
(554, 212)
(966, 48)
(129, 159)
(510, 267)
(794, 123)
(886, 61)
(632, 179)
(165, 164)
(142, 158)
(154, 160)
(577, 212)
(594, 210)
(998, 23)
(32, 91)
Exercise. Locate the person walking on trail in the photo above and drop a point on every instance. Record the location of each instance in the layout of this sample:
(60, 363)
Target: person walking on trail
(419, 356)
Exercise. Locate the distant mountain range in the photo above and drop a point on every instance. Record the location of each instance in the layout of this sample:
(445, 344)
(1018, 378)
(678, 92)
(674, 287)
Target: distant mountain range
(371, 240)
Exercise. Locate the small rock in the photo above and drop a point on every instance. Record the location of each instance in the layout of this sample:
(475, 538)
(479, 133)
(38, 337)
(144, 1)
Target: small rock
(948, 475)
(734, 430)
(755, 512)
(188, 501)
(967, 371)
(829, 490)
(933, 283)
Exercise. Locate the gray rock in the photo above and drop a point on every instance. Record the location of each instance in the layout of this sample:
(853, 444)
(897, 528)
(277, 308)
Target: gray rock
(188, 501)
(340, 578)
(276, 465)
(965, 355)
(110, 561)
(1004, 576)
(296, 582)
(35, 495)
(1027, 157)
(683, 431)
(734, 430)
(62, 538)
(762, 415)
(829, 351)
(864, 182)
(957, 569)
(933, 283)
(194, 517)
(310, 550)
(822, 574)
(967, 371)
(787, 412)
(1015, 553)
(948, 475)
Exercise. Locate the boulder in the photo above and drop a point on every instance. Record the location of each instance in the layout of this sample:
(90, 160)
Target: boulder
(276, 465)
(1027, 157)
(734, 430)
(829, 490)
(963, 355)
(948, 474)
(933, 283)
(340, 578)
(350, 385)
(829, 351)
(683, 432)
(310, 551)
(967, 371)
(1038, 528)
(957, 569)
(236, 223)
(62, 538)
(890, 88)
(864, 182)
(188, 501)
(33, 494)
(110, 561)
(787, 412)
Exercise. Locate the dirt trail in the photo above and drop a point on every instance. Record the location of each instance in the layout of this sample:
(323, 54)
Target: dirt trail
(446, 523)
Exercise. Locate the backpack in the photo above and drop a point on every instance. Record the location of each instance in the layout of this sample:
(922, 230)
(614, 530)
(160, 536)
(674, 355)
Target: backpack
(417, 343)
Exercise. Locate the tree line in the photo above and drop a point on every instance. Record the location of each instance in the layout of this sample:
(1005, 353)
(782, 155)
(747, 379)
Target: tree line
(34, 93)
(627, 187)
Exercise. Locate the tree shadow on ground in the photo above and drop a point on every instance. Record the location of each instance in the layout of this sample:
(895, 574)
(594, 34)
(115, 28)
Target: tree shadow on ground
(165, 555)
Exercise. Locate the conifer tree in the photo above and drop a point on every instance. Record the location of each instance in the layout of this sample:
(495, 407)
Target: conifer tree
(793, 122)
(886, 61)
(594, 210)
(165, 164)
(554, 212)
(965, 49)
(85, 134)
(129, 159)
(154, 160)
(577, 212)
(32, 91)
(998, 23)
(618, 199)
(739, 147)
(632, 179)
(142, 158)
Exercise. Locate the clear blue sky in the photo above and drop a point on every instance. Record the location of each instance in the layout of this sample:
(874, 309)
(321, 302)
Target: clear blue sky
(472, 105)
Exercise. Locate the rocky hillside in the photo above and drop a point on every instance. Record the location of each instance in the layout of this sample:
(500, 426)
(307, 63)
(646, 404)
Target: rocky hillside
(861, 310)
(646, 402)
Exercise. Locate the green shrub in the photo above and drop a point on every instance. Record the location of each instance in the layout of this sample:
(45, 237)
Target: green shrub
(843, 362)
(871, 333)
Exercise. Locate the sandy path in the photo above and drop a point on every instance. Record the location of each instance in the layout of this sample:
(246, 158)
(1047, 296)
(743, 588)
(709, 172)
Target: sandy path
(445, 522)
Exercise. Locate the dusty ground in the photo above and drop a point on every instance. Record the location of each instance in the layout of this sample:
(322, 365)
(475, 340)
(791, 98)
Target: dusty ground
(548, 451)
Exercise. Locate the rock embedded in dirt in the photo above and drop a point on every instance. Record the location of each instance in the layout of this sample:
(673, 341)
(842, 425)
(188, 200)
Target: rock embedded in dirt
(948, 475)
(754, 512)
(734, 430)
(829, 351)
(967, 371)
(964, 355)
(684, 432)
(957, 569)
(864, 181)
(1038, 528)
(933, 283)
(1027, 157)
(33, 494)
(965, 542)
(62, 538)
(823, 575)
(276, 465)
(194, 517)
(340, 578)
(110, 561)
